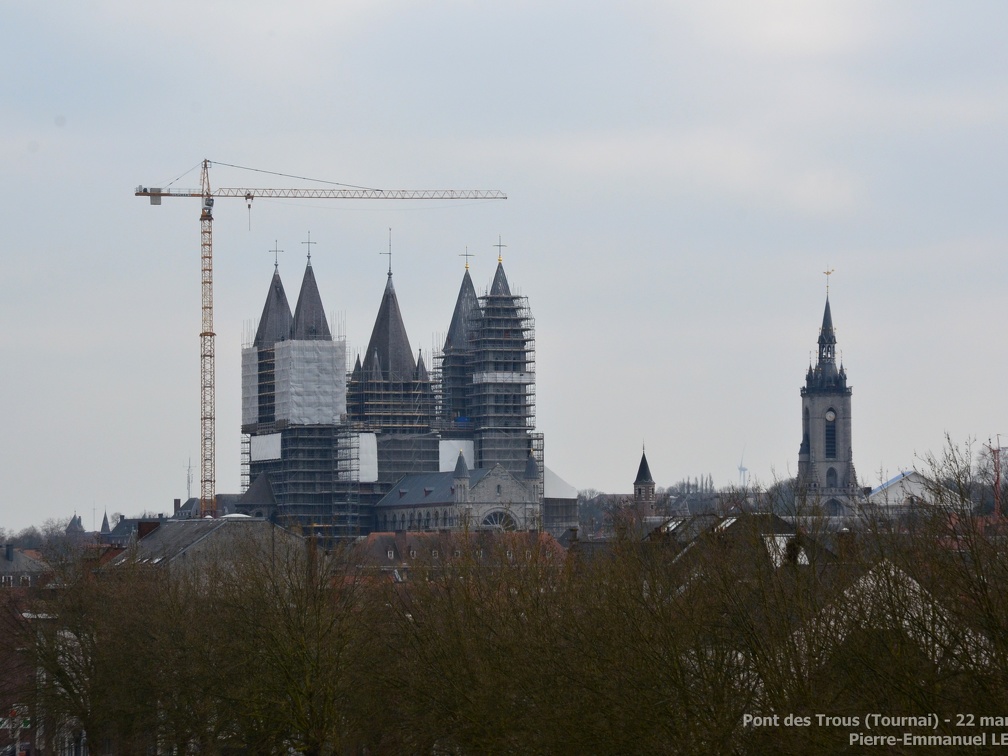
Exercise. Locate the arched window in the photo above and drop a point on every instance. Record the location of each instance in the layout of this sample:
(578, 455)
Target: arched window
(831, 478)
(830, 446)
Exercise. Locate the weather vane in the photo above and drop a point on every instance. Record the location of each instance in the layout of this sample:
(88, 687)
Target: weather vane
(827, 273)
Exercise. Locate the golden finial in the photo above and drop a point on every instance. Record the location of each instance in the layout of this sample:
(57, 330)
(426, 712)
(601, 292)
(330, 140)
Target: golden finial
(828, 273)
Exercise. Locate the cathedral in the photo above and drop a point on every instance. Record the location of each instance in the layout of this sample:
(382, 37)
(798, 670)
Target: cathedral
(826, 478)
(341, 452)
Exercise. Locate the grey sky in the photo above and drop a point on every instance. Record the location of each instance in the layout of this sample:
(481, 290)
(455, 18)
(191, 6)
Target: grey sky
(679, 177)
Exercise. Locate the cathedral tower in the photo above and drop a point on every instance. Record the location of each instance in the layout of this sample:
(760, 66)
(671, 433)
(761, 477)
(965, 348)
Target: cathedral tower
(390, 395)
(825, 458)
(293, 409)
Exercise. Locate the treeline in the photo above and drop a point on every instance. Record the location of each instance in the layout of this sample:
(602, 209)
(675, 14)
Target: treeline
(644, 647)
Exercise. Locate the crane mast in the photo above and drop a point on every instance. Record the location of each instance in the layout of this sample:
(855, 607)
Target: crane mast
(208, 425)
(208, 497)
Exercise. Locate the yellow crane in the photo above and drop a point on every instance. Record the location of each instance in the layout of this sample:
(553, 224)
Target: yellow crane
(208, 497)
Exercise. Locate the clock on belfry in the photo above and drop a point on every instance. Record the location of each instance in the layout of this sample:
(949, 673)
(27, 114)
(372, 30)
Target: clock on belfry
(830, 415)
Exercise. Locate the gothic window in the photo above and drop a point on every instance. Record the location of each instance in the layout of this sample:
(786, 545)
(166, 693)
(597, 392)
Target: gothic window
(831, 478)
(830, 448)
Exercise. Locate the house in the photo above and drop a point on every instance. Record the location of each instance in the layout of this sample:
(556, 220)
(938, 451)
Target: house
(191, 543)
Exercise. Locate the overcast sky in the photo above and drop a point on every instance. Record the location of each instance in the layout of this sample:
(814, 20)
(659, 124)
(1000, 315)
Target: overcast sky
(679, 176)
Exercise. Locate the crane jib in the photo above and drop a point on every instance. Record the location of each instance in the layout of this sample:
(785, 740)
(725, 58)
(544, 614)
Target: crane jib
(155, 193)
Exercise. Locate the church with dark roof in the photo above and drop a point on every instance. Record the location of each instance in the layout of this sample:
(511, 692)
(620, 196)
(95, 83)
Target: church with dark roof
(343, 452)
(826, 477)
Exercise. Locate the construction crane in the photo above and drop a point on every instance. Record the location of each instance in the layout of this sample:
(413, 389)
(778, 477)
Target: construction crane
(208, 497)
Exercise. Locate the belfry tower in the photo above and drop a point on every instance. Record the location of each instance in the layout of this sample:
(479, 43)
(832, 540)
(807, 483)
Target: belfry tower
(825, 460)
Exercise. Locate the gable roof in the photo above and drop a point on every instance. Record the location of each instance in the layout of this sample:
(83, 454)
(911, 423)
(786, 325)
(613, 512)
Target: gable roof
(173, 539)
(434, 489)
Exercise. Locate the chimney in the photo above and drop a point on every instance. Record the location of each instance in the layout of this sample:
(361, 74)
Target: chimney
(178, 506)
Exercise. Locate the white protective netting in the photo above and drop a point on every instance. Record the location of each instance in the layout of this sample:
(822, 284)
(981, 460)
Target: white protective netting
(368, 457)
(310, 382)
(265, 447)
(250, 385)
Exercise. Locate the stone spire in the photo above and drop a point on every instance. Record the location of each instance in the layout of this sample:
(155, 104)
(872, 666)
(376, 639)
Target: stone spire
(467, 312)
(644, 487)
(388, 351)
(309, 317)
(500, 287)
(825, 376)
(275, 322)
(827, 337)
(644, 471)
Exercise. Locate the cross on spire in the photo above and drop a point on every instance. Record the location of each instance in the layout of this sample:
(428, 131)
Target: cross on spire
(389, 253)
(828, 273)
(309, 243)
(276, 255)
(467, 255)
(500, 247)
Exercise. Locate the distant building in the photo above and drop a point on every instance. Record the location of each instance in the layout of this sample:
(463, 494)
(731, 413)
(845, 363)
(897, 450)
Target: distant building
(394, 556)
(481, 499)
(22, 568)
(190, 543)
(324, 446)
(826, 477)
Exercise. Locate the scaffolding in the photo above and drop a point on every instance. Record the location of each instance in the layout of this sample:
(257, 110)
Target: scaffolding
(316, 481)
(348, 520)
(501, 392)
(246, 459)
(393, 406)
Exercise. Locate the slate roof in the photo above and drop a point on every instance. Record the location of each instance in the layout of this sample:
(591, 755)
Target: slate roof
(309, 317)
(173, 538)
(531, 469)
(500, 287)
(22, 561)
(643, 472)
(467, 312)
(428, 489)
(461, 468)
(826, 333)
(259, 494)
(275, 322)
(388, 353)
